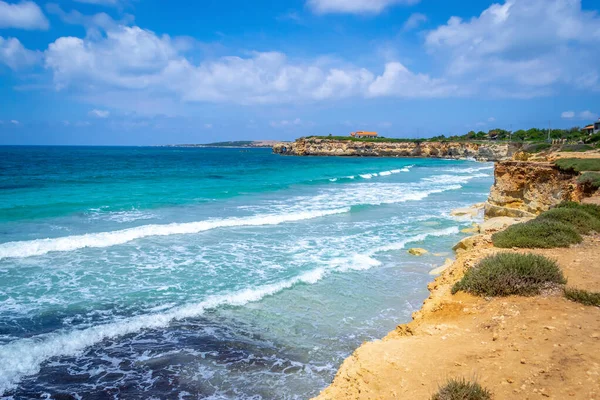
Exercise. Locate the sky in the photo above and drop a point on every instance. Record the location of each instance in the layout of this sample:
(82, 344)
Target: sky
(148, 72)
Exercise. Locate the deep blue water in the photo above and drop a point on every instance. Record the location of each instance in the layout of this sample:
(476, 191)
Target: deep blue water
(138, 272)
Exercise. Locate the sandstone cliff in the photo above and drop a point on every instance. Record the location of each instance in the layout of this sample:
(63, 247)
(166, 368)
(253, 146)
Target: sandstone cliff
(332, 147)
(524, 189)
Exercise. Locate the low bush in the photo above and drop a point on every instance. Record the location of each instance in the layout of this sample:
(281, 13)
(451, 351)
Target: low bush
(578, 164)
(536, 147)
(576, 147)
(590, 180)
(591, 209)
(506, 274)
(543, 234)
(583, 296)
(461, 389)
(582, 221)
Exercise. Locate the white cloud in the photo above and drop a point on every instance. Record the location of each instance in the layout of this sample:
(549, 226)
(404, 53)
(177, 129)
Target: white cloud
(588, 115)
(99, 113)
(15, 56)
(208, 126)
(491, 119)
(567, 114)
(23, 15)
(527, 43)
(354, 6)
(15, 122)
(414, 21)
(285, 123)
(398, 81)
(110, 3)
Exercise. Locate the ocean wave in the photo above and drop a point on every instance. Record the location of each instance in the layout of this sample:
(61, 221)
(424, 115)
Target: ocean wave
(119, 216)
(29, 248)
(24, 357)
(469, 170)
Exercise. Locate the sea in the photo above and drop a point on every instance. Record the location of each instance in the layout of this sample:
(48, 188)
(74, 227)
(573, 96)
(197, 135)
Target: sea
(211, 273)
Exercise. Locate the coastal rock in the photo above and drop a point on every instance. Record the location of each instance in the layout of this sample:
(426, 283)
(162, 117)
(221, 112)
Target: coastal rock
(525, 189)
(334, 147)
(468, 244)
(416, 251)
(499, 223)
(442, 268)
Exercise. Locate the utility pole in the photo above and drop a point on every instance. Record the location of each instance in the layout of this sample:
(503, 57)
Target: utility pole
(549, 131)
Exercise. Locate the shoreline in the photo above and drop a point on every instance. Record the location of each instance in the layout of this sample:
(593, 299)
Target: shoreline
(455, 336)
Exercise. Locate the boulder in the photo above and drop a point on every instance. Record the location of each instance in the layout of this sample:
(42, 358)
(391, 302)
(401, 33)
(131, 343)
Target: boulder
(416, 251)
(499, 223)
(467, 244)
(442, 268)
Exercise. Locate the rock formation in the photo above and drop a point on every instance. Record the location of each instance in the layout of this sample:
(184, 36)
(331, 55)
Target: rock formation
(524, 189)
(332, 147)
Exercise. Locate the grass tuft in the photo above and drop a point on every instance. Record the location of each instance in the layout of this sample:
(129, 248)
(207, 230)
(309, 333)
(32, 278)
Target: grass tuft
(591, 209)
(583, 296)
(590, 180)
(544, 234)
(578, 164)
(507, 274)
(579, 219)
(461, 389)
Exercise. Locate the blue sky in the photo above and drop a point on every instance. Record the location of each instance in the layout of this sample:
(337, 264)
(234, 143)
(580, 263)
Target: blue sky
(155, 72)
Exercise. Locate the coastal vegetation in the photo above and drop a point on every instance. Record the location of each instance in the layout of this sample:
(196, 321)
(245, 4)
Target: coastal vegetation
(579, 219)
(589, 180)
(461, 389)
(537, 234)
(578, 164)
(591, 209)
(507, 274)
(584, 297)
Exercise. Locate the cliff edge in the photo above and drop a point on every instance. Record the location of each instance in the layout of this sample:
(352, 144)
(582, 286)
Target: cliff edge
(381, 148)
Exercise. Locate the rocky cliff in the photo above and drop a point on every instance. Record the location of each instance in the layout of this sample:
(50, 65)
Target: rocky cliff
(332, 147)
(524, 189)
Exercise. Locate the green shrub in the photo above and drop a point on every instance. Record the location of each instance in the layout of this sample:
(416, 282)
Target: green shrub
(583, 222)
(576, 147)
(591, 209)
(578, 164)
(460, 389)
(506, 274)
(542, 234)
(590, 180)
(536, 147)
(583, 296)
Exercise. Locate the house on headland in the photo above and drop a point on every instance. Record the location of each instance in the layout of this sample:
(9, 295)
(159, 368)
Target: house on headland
(363, 134)
(592, 128)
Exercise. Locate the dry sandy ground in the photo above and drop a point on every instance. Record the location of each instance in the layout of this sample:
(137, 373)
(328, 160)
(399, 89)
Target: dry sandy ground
(518, 347)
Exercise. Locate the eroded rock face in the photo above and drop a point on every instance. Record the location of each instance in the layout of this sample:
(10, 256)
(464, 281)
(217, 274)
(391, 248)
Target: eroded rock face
(330, 147)
(525, 189)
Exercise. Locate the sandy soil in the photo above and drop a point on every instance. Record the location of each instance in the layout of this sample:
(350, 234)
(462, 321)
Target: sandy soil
(518, 347)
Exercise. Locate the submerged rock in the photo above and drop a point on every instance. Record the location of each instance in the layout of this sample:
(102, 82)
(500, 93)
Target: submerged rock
(416, 251)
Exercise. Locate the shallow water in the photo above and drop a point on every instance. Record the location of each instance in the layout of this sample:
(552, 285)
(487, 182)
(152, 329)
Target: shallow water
(210, 273)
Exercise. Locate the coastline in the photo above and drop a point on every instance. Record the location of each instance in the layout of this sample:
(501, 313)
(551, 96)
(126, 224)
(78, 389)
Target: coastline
(516, 346)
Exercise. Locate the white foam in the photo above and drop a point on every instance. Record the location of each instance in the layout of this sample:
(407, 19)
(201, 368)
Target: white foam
(38, 247)
(24, 357)
(366, 176)
(417, 238)
(385, 173)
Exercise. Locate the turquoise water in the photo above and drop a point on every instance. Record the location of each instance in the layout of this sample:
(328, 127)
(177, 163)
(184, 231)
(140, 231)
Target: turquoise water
(211, 273)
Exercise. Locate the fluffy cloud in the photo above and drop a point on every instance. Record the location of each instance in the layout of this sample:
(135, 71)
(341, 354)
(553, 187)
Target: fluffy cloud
(24, 15)
(354, 6)
(583, 115)
(111, 3)
(99, 113)
(398, 81)
(535, 43)
(414, 21)
(15, 56)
